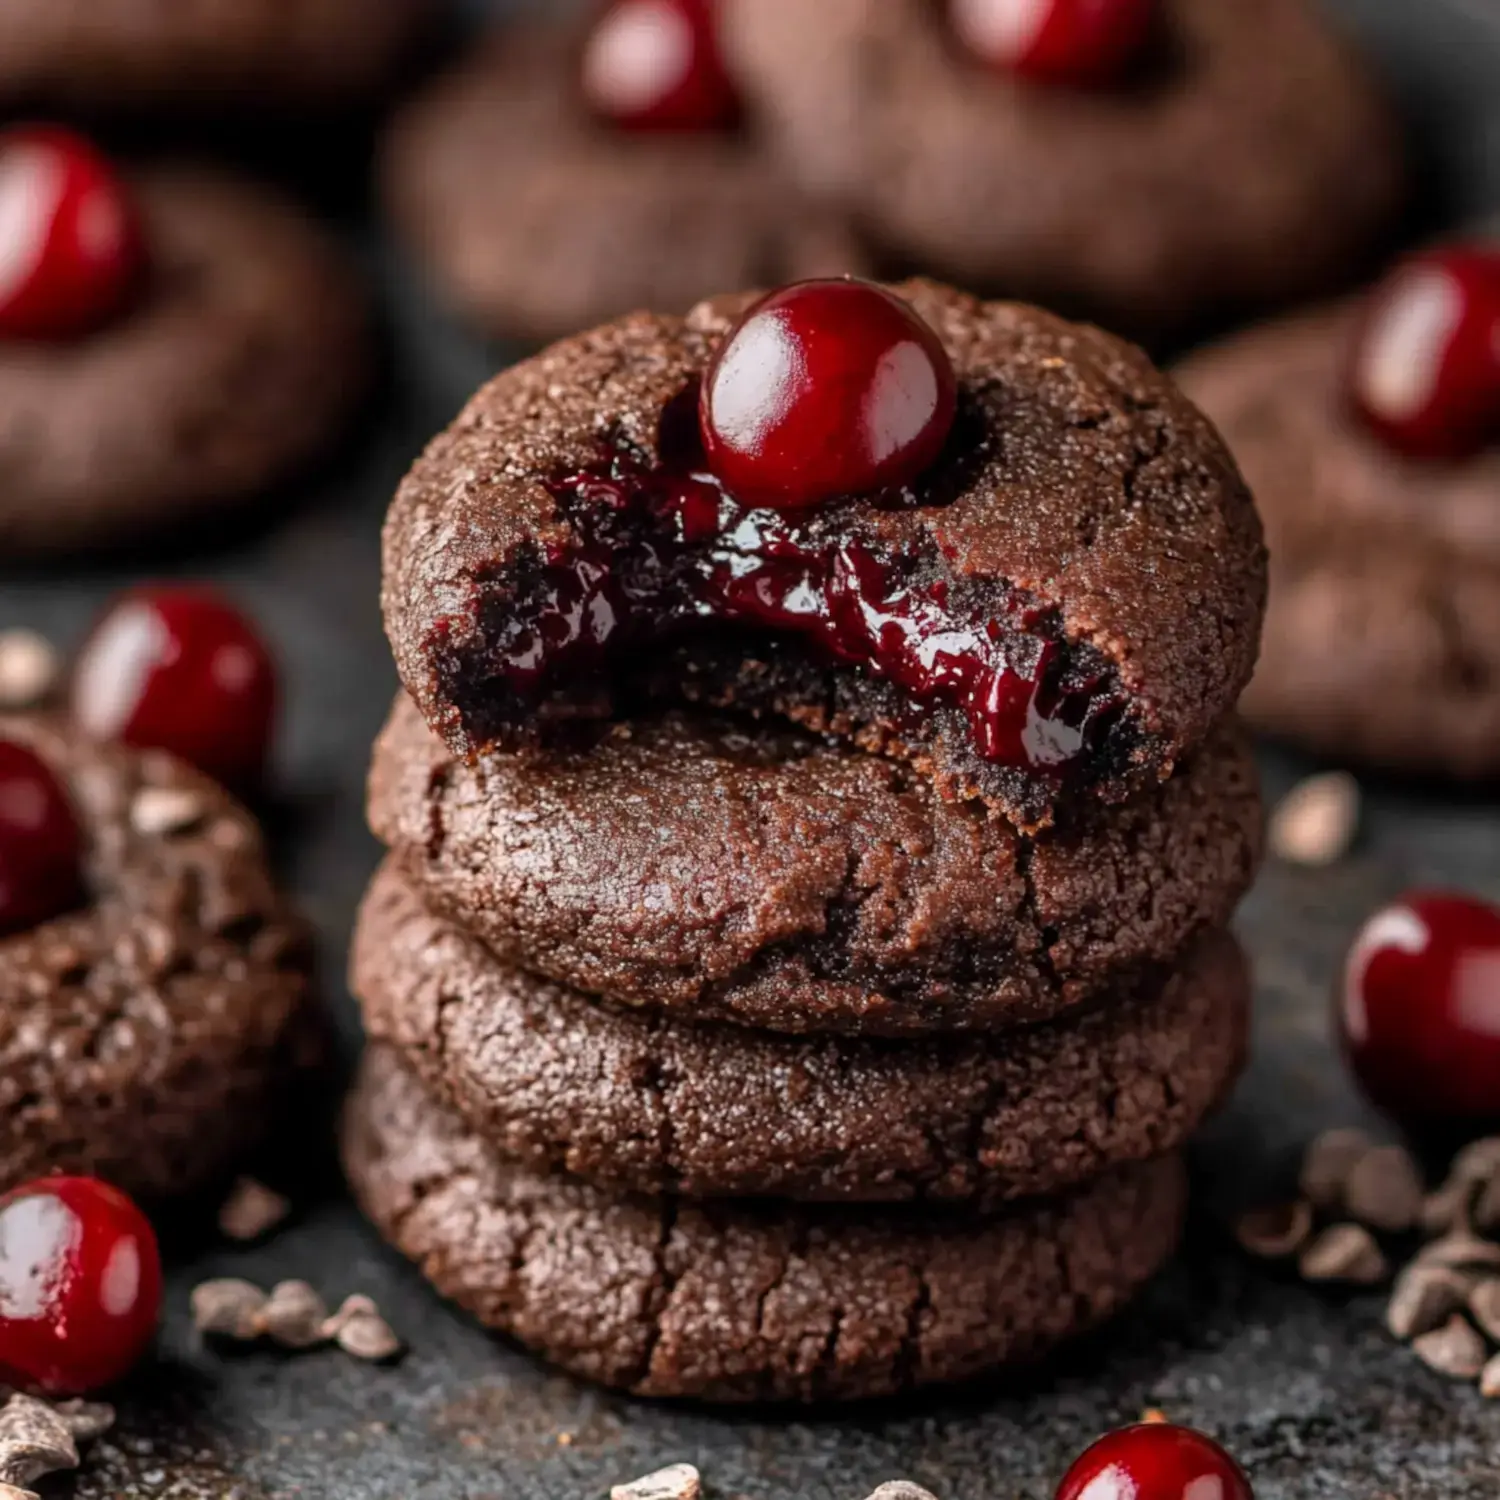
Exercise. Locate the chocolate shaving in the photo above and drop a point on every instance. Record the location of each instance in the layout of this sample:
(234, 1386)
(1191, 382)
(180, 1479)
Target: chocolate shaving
(1424, 1298)
(1462, 1251)
(228, 1308)
(1489, 1379)
(1455, 1349)
(1479, 1161)
(1486, 1210)
(360, 1331)
(37, 1439)
(251, 1210)
(1344, 1252)
(29, 670)
(160, 811)
(293, 1316)
(1315, 823)
(1384, 1189)
(1276, 1232)
(1327, 1164)
(675, 1482)
(1484, 1304)
(1447, 1208)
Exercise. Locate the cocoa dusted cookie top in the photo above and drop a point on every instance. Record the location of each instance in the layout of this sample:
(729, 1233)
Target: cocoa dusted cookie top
(1044, 574)
(691, 864)
(154, 1002)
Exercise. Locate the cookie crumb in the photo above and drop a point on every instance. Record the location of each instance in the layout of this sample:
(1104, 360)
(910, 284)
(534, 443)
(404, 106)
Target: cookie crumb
(1276, 1232)
(901, 1489)
(1384, 1189)
(161, 811)
(251, 1210)
(359, 1330)
(1327, 1163)
(228, 1308)
(1154, 1416)
(1315, 824)
(1344, 1252)
(29, 670)
(1423, 1298)
(293, 1316)
(675, 1482)
(34, 1441)
(1455, 1349)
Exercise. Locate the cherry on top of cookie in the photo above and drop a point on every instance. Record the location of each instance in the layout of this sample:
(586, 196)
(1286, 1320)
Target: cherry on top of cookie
(72, 252)
(1424, 367)
(656, 65)
(1087, 43)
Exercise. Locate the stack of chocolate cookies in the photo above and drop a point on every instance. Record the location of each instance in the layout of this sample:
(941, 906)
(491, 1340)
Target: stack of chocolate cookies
(802, 949)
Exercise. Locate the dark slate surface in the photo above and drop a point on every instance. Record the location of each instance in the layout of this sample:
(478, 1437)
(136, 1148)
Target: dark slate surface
(1304, 1387)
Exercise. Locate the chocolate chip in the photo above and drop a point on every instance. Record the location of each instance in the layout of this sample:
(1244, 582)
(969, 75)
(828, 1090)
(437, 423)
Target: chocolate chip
(1447, 1207)
(1489, 1379)
(1462, 1251)
(251, 1210)
(1315, 823)
(1484, 1304)
(34, 1441)
(293, 1316)
(1327, 1163)
(675, 1482)
(359, 1330)
(1384, 1189)
(1343, 1252)
(901, 1489)
(228, 1308)
(1276, 1232)
(1455, 1349)
(1423, 1298)
(161, 811)
(1486, 1212)
(28, 670)
(1478, 1161)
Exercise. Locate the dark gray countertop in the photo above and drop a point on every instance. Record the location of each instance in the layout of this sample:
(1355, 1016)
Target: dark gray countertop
(1304, 1387)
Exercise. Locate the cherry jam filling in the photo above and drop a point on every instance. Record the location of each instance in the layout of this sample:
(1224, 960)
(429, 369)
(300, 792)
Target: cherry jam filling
(660, 551)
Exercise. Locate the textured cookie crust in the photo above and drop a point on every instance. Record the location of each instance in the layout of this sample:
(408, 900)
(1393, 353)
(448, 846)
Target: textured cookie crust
(245, 357)
(626, 1101)
(1084, 482)
(205, 57)
(1382, 638)
(763, 876)
(664, 1297)
(535, 221)
(146, 1037)
(1254, 162)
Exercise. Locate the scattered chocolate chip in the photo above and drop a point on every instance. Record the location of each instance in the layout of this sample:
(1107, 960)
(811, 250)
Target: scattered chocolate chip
(1276, 1232)
(1455, 1349)
(1462, 1251)
(1486, 1211)
(1343, 1252)
(1424, 1298)
(359, 1330)
(1384, 1189)
(251, 1210)
(34, 1441)
(675, 1482)
(293, 1316)
(161, 811)
(901, 1489)
(1489, 1379)
(1447, 1207)
(1478, 1161)
(1327, 1163)
(1484, 1304)
(228, 1308)
(28, 669)
(1315, 823)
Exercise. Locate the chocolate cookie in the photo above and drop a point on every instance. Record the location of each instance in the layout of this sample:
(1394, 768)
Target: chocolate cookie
(146, 1036)
(210, 56)
(1085, 538)
(767, 877)
(563, 1083)
(536, 220)
(1383, 634)
(664, 1297)
(1248, 160)
(242, 361)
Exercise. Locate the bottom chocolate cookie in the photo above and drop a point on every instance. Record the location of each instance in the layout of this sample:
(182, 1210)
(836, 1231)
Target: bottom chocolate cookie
(666, 1297)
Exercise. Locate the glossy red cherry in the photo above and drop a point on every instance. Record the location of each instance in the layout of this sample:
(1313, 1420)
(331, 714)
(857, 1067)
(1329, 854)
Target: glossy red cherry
(1155, 1461)
(1425, 367)
(181, 670)
(1419, 1007)
(825, 388)
(71, 249)
(656, 65)
(80, 1285)
(41, 850)
(1055, 41)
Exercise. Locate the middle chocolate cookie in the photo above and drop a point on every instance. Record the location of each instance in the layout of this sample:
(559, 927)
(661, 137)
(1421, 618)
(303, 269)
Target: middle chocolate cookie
(715, 871)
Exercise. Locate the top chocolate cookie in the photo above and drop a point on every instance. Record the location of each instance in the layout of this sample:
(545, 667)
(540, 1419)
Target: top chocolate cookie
(1049, 577)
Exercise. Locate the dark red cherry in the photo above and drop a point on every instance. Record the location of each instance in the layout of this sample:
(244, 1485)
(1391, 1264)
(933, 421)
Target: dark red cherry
(71, 248)
(1055, 41)
(825, 388)
(181, 670)
(1419, 1008)
(1155, 1461)
(80, 1285)
(1424, 371)
(656, 65)
(41, 850)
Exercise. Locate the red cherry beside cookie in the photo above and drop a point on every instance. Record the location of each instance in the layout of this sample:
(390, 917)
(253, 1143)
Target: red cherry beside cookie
(1155, 1461)
(41, 869)
(71, 250)
(655, 65)
(1084, 42)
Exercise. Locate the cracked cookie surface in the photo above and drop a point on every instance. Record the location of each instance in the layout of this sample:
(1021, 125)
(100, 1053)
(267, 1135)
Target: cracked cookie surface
(643, 1103)
(764, 876)
(665, 1297)
(147, 1036)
